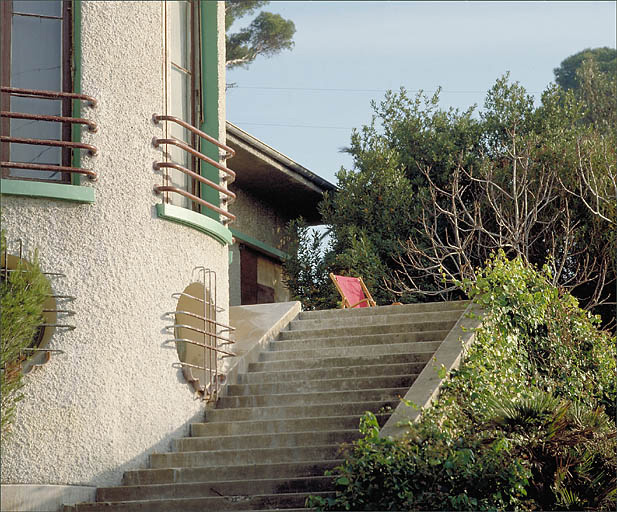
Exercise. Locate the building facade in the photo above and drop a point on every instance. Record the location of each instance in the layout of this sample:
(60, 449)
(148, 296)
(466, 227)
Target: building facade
(271, 190)
(113, 169)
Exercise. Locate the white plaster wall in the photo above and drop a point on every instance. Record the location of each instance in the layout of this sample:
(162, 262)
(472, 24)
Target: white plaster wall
(113, 397)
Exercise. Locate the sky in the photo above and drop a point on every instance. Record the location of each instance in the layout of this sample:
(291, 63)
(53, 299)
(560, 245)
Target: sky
(305, 102)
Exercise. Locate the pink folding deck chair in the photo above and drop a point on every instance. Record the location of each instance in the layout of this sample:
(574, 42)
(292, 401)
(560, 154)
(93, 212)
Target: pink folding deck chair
(353, 291)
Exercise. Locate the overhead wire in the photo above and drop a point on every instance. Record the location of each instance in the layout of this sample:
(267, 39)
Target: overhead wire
(333, 89)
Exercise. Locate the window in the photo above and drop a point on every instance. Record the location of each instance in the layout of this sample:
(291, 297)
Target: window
(36, 63)
(195, 192)
(183, 95)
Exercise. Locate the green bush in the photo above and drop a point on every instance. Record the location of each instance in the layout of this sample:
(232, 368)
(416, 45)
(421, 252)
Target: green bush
(22, 295)
(526, 423)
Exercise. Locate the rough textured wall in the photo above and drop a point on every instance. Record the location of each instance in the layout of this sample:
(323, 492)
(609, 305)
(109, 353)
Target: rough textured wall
(113, 397)
(259, 219)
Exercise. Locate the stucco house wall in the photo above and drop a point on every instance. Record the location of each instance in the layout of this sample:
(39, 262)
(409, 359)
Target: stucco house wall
(113, 397)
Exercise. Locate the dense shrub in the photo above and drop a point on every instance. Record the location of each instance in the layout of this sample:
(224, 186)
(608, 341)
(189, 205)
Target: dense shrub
(22, 294)
(526, 423)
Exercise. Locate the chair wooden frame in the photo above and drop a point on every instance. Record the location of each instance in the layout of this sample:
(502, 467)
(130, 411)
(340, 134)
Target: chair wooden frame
(345, 302)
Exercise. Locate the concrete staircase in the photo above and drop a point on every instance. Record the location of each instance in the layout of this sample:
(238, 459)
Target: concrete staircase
(269, 440)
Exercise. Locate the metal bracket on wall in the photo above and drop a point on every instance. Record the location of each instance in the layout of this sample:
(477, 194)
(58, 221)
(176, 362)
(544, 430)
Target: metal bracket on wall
(195, 325)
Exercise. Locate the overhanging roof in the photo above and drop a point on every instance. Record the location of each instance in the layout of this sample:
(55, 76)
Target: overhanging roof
(267, 173)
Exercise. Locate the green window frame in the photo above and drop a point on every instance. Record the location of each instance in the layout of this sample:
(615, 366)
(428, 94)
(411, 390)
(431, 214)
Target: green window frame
(69, 191)
(200, 217)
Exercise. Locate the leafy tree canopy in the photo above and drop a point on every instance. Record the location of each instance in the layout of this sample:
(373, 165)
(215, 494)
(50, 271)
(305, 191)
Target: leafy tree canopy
(434, 191)
(267, 35)
(566, 73)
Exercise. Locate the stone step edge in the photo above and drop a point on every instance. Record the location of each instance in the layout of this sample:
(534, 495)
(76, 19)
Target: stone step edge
(343, 347)
(180, 500)
(311, 393)
(333, 462)
(280, 420)
(365, 356)
(402, 327)
(278, 407)
(297, 320)
(382, 310)
(365, 348)
(438, 337)
(230, 450)
(273, 434)
(282, 478)
(333, 381)
(330, 368)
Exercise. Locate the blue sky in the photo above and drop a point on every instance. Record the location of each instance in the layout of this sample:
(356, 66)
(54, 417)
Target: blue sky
(305, 102)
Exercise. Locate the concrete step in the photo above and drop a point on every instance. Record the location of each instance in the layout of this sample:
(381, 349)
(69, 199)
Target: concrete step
(238, 503)
(246, 456)
(353, 341)
(240, 487)
(225, 473)
(385, 310)
(299, 411)
(330, 373)
(366, 329)
(376, 319)
(380, 381)
(362, 350)
(330, 362)
(230, 428)
(276, 440)
(321, 398)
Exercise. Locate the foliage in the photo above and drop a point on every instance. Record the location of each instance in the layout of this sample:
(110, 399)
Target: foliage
(566, 75)
(304, 271)
(542, 189)
(22, 295)
(433, 192)
(267, 35)
(526, 423)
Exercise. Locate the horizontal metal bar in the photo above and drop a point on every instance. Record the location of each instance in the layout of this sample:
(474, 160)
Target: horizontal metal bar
(47, 142)
(55, 95)
(176, 190)
(189, 313)
(203, 345)
(51, 274)
(182, 145)
(55, 168)
(50, 350)
(200, 331)
(60, 326)
(55, 119)
(66, 312)
(68, 298)
(229, 151)
(181, 364)
(182, 294)
(193, 174)
(43, 16)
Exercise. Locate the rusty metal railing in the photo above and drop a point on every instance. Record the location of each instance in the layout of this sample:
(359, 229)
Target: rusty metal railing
(207, 335)
(229, 175)
(35, 354)
(65, 144)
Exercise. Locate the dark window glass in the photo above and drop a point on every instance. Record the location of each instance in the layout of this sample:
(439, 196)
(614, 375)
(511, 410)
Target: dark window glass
(36, 55)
